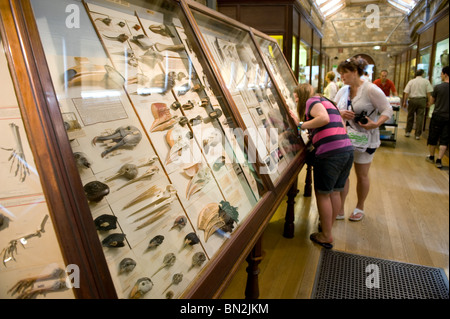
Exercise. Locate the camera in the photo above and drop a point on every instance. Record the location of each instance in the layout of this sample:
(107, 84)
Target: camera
(361, 118)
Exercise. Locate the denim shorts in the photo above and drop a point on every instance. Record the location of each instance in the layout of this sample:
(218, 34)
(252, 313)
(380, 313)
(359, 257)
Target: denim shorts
(331, 173)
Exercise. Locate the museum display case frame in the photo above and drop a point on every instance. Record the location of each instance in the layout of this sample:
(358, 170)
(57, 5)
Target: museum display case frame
(70, 211)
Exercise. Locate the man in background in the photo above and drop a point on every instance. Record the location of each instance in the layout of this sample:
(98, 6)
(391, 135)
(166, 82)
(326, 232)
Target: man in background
(386, 85)
(439, 119)
(418, 94)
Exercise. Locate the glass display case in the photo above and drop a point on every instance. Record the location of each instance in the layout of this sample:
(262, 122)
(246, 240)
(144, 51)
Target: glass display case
(173, 153)
(304, 69)
(32, 265)
(441, 59)
(424, 60)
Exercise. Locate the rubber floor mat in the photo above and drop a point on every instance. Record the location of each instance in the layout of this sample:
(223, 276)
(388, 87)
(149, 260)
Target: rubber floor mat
(348, 276)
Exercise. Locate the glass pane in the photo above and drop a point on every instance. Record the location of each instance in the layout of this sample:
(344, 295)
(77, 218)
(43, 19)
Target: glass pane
(304, 67)
(243, 71)
(147, 129)
(440, 60)
(32, 263)
(294, 52)
(424, 60)
(315, 71)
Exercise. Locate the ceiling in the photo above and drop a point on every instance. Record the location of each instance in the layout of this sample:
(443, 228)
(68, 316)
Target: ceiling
(330, 7)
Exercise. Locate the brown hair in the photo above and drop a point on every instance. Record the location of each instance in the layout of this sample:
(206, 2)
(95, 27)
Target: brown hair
(354, 64)
(331, 75)
(303, 92)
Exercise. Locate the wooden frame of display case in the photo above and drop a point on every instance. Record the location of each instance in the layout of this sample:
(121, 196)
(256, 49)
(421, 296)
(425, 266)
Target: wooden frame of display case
(62, 184)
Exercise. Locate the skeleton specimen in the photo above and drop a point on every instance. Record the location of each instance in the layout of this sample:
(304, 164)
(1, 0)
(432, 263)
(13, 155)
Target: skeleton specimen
(17, 153)
(121, 38)
(152, 170)
(127, 265)
(197, 260)
(123, 137)
(176, 279)
(25, 289)
(213, 218)
(169, 261)
(86, 73)
(162, 30)
(199, 181)
(142, 286)
(179, 142)
(8, 252)
(128, 171)
(163, 118)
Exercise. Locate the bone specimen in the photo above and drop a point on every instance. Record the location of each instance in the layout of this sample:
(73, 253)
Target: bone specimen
(152, 191)
(180, 223)
(214, 139)
(176, 279)
(169, 261)
(154, 218)
(163, 118)
(166, 198)
(188, 106)
(199, 181)
(155, 242)
(128, 171)
(166, 82)
(219, 163)
(121, 38)
(114, 241)
(197, 260)
(175, 105)
(8, 251)
(81, 160)
(142, 286)
(106, 21)
(123, 137)
(143, 42)
(214, 217)
(121, 24)
(18, 154)
(162, 30)
(163, 47)
(151, 58)
(127, 265)
(152, 170)
(106, 222)
(84, 72)
(150, 162)
(95, 191)
(178, 141)
(24, 287)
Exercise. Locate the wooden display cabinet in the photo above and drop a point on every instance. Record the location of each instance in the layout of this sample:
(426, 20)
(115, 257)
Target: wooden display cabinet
(161, 136)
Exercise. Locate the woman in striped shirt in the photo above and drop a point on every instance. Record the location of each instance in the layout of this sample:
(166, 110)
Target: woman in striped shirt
(333, 157)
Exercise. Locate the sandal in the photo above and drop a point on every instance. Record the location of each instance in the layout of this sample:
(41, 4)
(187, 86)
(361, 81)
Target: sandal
(353, 217)
(313, 238)
(340, 217)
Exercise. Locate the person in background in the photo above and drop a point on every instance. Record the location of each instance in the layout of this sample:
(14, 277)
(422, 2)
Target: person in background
(386, 85)
(331, 88)
(339, 83)
(354, 98)
(439, 120)
(417, 92)
(333, 157)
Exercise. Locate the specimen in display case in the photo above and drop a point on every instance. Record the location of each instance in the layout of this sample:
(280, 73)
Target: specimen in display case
(172, 163)
(32, 265)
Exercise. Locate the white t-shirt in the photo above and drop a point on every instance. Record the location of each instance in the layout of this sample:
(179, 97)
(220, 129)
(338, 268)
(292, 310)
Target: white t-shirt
(368, 98)
(330, 90)
(418, 87)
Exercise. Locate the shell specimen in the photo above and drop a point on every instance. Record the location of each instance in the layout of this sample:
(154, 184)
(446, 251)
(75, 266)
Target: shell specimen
(95, 191)
(128, 171)
(124, 137)
(142, 286)
(114, 241)
(169, 261)
(106, 222)
(197, 260)
(155, 242)
(127, 265)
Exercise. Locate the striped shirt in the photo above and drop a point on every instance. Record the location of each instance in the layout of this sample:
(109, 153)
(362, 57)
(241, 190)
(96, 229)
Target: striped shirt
(332, 138)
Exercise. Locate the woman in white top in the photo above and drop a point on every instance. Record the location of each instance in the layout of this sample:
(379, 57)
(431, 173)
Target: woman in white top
(331, 88)
(354, 98)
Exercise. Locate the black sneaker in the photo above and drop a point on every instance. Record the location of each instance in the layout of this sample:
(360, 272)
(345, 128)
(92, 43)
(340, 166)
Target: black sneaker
(430, 159)
(439, 163)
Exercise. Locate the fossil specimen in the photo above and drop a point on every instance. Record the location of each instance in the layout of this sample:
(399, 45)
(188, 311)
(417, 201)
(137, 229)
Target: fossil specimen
(124, 137)
(142, 286)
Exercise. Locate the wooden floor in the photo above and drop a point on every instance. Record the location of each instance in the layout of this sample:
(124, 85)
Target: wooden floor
(407, 220)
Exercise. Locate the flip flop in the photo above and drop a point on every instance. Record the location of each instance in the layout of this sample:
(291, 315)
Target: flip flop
(340, 217)
(313, 238)
(356, 212)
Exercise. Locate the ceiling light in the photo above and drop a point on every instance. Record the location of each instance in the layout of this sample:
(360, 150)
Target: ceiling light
(377, 47)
